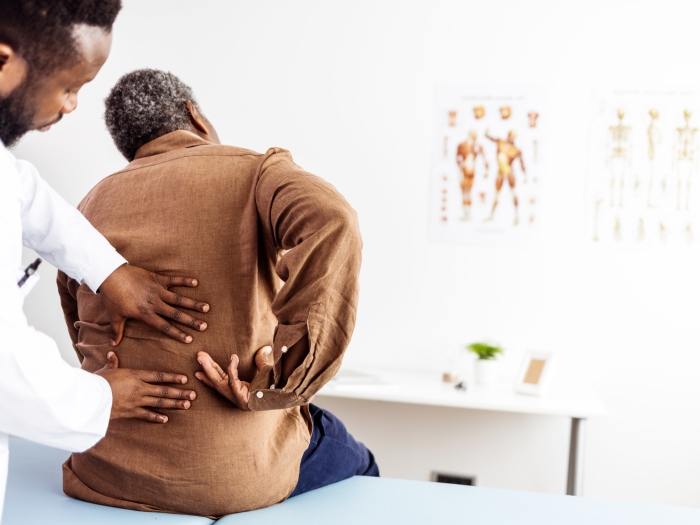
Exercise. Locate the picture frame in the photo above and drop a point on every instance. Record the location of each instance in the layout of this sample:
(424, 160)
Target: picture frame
(535, 373)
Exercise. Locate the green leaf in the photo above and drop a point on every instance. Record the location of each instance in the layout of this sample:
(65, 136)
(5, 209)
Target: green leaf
(485, 350)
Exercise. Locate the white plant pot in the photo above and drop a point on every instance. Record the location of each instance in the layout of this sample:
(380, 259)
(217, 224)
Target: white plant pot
(486, 371)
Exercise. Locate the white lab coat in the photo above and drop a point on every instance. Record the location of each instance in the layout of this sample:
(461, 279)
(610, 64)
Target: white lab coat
(43, 398)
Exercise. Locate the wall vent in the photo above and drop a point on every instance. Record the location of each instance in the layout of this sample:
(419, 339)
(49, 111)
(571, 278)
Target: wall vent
(455, 479)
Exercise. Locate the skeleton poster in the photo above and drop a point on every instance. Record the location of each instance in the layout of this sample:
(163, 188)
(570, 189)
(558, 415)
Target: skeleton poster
(487, 166)
(643, 177)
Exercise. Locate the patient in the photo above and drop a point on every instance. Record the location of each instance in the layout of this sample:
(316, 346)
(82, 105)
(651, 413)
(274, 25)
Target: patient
(277, 254)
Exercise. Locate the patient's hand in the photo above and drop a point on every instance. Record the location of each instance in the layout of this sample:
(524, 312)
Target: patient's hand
(132, 390)
(228, 385)
(134, 293)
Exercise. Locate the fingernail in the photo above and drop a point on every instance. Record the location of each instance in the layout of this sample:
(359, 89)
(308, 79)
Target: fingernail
(197, 377)
(194, 282)
(203, 326)
(205, 308)
(267, 350)
(110, 355)
(164, 419)
(112, 342)
(188, 339)
(186, 404)
(192, 396)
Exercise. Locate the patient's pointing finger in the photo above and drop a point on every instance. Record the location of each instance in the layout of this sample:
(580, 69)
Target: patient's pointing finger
(204, 379)
(211, 367)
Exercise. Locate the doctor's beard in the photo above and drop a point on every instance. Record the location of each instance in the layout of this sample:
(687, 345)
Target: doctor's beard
(16, 114)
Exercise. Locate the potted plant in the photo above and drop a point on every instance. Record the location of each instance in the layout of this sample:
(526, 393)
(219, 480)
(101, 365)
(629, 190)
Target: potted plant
(486, 367)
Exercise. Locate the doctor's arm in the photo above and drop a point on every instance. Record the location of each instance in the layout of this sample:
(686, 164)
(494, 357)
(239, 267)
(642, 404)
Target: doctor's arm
(60, 234)
(307, 219)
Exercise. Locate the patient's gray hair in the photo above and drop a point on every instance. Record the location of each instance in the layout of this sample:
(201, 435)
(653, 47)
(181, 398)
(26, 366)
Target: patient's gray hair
(144, 105)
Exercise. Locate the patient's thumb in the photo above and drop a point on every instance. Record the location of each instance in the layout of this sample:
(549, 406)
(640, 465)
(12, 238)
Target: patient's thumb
(264, 359)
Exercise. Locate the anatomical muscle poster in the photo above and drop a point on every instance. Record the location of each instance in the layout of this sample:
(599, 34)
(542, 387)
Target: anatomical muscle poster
(487, 172)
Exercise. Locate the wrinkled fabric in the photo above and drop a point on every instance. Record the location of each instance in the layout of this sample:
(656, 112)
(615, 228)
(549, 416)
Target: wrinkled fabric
(276, 252)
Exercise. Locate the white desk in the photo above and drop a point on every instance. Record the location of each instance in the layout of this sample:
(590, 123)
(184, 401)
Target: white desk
(564, 398)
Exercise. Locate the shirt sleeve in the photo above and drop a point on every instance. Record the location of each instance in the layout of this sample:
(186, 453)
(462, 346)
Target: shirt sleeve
(317, 235)
(60, 233)
(42, 398)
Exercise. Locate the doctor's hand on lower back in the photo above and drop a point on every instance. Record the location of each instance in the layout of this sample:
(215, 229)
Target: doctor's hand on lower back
(134, 390)
(134, 293)
(229, 385)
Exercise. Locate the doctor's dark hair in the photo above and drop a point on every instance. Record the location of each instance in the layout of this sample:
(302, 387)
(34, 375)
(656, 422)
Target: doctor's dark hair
(144, 105)
(41, 31)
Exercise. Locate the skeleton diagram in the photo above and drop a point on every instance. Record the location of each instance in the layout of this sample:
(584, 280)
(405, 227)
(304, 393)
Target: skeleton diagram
(685, 159)
(654, 136)
(467, 152)
(506, 154)
(619, 157)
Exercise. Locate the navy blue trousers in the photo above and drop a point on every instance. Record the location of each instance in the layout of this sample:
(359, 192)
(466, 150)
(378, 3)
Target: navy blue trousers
(333, 454)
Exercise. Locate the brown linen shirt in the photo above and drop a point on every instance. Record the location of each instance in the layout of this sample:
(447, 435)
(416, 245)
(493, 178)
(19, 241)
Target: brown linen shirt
(277, 254)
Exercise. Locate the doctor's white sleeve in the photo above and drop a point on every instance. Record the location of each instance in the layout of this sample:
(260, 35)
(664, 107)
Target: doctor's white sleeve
(60, 233)
(42, 398)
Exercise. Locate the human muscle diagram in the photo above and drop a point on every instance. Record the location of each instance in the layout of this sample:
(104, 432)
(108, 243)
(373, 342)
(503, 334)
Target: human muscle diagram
(643, 183)
(486, 171)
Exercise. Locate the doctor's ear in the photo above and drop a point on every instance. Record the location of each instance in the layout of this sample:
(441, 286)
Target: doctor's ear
(13, 69)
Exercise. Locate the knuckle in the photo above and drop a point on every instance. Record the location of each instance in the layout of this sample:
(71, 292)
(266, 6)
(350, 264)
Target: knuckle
(178, 300)
(165, 327)
(159, 401)
(164, 391)
(177, 314)
(160, 377)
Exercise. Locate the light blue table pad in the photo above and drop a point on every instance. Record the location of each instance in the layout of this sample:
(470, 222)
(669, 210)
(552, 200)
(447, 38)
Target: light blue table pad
(368, 501)
(35, 495)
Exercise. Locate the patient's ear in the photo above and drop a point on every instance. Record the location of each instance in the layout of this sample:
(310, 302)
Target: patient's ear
(13, 69)
(197, 119)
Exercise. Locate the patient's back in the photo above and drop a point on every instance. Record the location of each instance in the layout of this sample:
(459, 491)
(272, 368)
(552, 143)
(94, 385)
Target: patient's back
(188, 209)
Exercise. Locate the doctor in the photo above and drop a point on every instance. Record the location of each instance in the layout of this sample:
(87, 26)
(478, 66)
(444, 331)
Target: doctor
(48, 50)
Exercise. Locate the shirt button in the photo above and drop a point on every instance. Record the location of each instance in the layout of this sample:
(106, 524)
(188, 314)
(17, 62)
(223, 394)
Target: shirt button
(284, 349)
(259, 394)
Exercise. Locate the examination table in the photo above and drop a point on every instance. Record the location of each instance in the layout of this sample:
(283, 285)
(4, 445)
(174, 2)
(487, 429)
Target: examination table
(34, 496)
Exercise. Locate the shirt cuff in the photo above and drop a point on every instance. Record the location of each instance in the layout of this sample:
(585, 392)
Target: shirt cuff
(266, 399)
(98, 271)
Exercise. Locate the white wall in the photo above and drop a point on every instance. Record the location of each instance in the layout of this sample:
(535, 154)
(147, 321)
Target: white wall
(349, 89)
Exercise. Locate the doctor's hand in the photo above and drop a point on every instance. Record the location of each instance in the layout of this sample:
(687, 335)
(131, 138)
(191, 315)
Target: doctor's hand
(132, 390)
(134, 293)
(228, 385)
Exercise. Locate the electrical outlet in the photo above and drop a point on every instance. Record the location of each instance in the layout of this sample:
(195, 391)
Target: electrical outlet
(455, 479)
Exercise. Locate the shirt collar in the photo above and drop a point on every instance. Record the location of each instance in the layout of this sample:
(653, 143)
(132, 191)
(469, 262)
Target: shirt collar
(169, 142)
